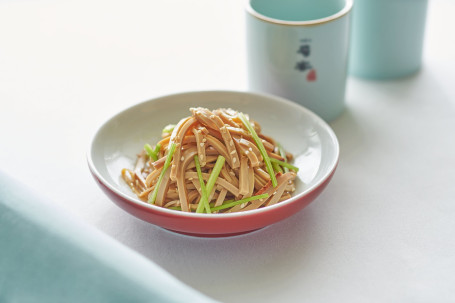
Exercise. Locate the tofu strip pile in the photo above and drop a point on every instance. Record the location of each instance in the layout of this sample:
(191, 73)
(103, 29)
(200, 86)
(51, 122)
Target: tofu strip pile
(213, 162)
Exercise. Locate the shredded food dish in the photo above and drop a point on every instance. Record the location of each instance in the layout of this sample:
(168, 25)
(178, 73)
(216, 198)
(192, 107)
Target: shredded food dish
(213, 162)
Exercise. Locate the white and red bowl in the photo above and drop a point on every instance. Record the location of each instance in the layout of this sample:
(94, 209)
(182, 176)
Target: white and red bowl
(300, 131)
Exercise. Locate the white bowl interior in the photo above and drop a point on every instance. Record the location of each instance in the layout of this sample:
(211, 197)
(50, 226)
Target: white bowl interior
(301, 132)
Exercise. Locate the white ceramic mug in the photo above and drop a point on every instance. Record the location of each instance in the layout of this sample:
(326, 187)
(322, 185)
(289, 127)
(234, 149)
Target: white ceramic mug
(298, 49)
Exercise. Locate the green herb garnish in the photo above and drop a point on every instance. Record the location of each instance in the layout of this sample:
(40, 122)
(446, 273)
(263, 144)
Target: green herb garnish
(229, 204)
(284, 164)
(276, 167)
(204, 196)
(152, 197)
(283, 154)
(157, 149)
(212, 179)
(168, 129)
(261, 147)
(151, 152)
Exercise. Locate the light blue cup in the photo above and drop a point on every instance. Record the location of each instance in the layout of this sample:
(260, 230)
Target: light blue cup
(387, 38)
(298, 49)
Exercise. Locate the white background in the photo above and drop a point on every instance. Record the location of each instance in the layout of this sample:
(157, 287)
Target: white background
(384, 229)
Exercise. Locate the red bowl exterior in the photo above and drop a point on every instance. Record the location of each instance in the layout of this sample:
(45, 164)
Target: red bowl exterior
(214, 225)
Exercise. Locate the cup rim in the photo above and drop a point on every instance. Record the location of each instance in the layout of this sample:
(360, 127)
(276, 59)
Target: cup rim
(345, 10)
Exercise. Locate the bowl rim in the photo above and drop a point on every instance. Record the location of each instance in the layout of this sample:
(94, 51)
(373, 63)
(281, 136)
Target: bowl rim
(115, 190)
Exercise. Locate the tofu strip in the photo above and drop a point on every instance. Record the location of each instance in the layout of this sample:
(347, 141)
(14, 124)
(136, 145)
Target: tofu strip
(192, 196)
(258, 182)
(248, 151)
(231, 178)
(250, 182)
(282, 181)
(243, 176)
(140, 164)
(237, 131)
(211, 120)
(200, 143)
(153, 177)
(220, 181)
(262, 173)
(220, 148)
(221, 197)
(222, 113)
(177, 136)
(162, 191)
(276, 156)
(268, 146)
(252, 147)
(186, 158)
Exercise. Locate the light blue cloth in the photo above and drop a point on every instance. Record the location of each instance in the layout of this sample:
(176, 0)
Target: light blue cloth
(46, 256)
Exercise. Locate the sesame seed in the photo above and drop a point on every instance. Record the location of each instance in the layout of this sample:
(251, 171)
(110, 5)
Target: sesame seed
(201, 144)
(182, 158)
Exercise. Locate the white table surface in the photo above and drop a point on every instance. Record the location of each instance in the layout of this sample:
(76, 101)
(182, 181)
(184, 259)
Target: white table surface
(384, 229)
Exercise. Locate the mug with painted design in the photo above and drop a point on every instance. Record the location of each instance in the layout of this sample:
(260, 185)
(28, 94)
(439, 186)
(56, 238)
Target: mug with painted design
(298, 50)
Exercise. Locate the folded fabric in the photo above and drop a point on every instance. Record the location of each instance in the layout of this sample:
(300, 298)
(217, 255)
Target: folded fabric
(47, 256)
